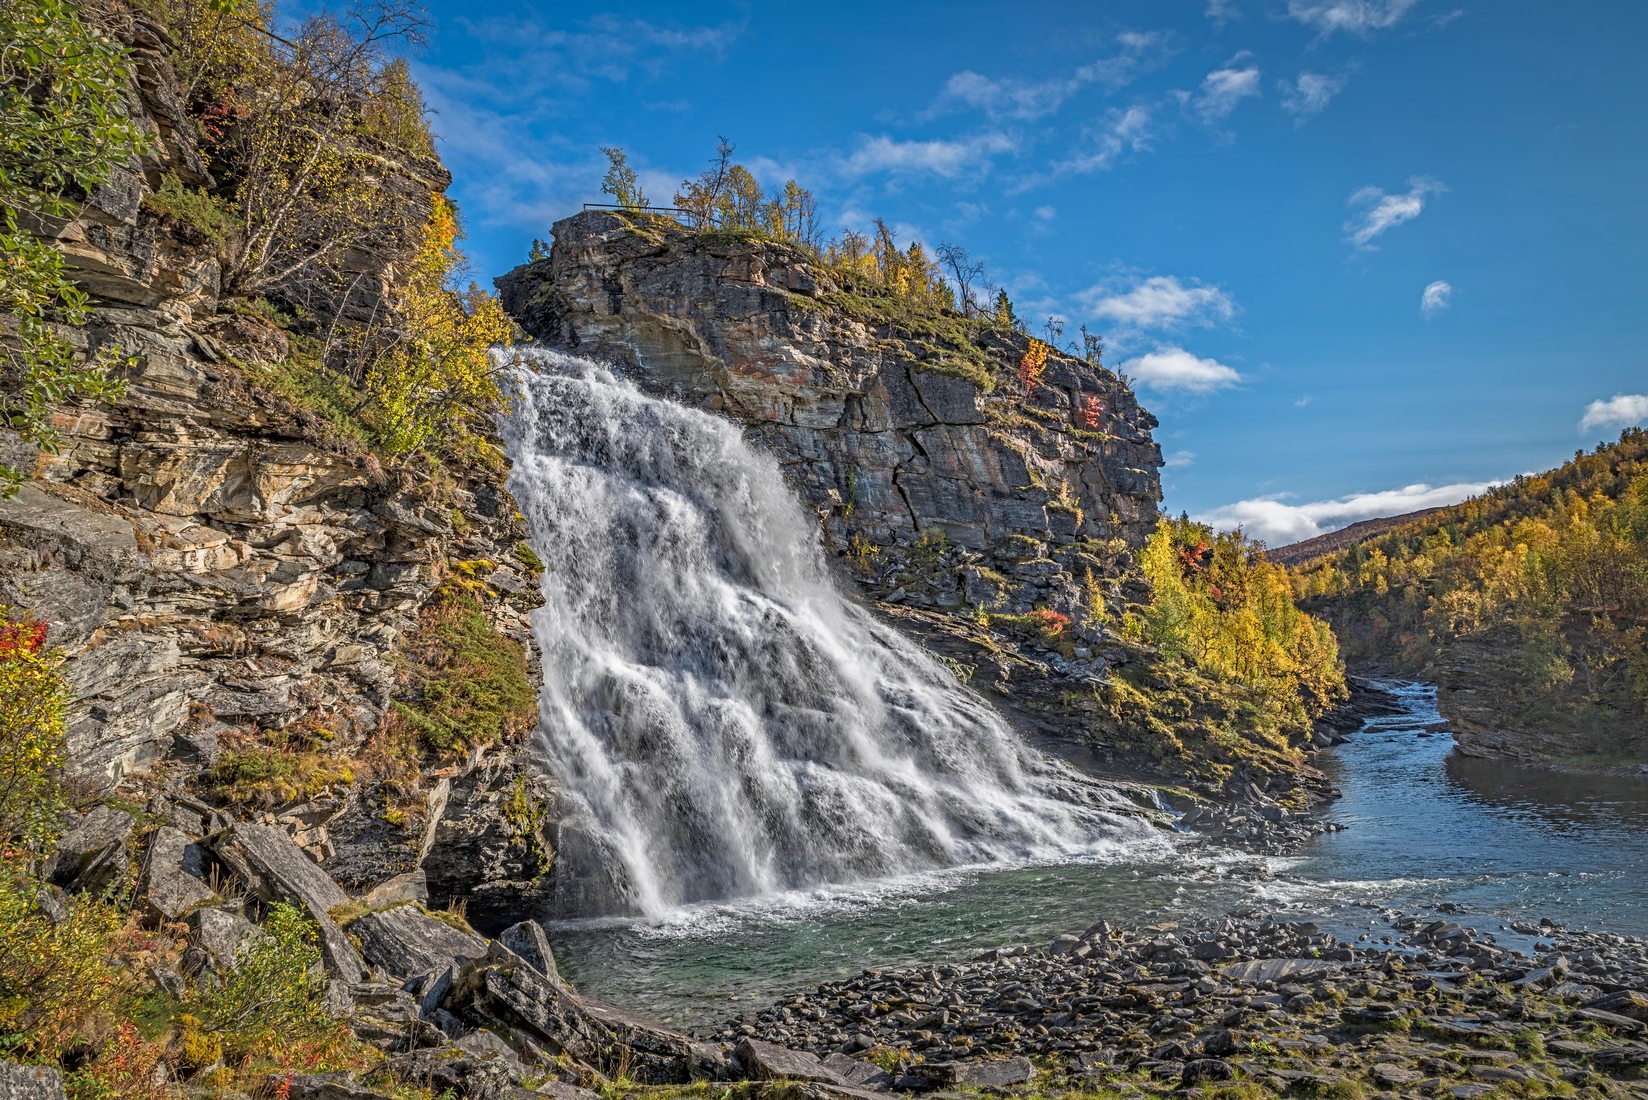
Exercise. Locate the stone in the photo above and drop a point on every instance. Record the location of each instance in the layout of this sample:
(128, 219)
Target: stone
(1275, 970)
(502, 990)
(406, 941)
(767, 1062)
(1206, 1069)
(985, 1074)
(323, 1086)
(217, 936)
(474, 1072)
(1627, 1002)
(560, 1090)
(390, 1018)
(1613, 1021)
(173, 880)
(476, 856)
(92, 855)
(856, 1072)
(29, 1082)
(1392, 1075)
(527, 939)
(276, 869)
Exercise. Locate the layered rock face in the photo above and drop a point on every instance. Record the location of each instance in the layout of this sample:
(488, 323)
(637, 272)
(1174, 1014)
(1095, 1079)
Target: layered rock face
(949, 480)
(204, 554)
(217, 565)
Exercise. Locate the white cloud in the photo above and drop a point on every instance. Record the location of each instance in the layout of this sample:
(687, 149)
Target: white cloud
(1620, 411)
(1178, 460)
(1438, 296)
(1121, 131)
(1377, 211)
(1223, 90)
(1161, 301)
(1004, 98)
(1012, 97)
(1045, 213)
(938, 158)
(1174, 368)
(1309, 94)
(1353, 16)
(1302, 402)
(1222, 12)
(1278, 523)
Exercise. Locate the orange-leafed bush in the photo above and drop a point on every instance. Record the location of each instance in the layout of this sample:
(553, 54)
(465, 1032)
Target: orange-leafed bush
(1033, 365)
(1052, 624)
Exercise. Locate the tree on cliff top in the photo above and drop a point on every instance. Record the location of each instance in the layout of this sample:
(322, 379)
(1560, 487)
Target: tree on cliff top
(63, 132)
(621, 182)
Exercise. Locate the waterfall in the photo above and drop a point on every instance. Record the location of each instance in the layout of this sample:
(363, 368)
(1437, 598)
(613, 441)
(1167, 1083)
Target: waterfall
(725, 722)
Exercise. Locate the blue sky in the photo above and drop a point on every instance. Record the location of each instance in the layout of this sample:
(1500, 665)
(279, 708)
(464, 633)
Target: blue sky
(1358, 255)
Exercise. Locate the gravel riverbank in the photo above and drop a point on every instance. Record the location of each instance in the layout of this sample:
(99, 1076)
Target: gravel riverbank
(1242, 1007)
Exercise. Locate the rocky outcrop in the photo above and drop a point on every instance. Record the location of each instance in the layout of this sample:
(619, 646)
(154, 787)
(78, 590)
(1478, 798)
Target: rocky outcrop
(941, 472)
(221, 567)
(200, 550)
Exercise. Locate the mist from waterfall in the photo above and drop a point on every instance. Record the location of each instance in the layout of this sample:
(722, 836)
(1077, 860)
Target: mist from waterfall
(726, 723)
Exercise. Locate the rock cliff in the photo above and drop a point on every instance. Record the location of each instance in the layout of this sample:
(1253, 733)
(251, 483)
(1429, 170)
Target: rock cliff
(215, 563)
(887, 426)
(953, 487)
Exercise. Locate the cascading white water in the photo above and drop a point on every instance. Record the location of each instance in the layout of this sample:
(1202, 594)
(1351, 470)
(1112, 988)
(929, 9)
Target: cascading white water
(725, 721)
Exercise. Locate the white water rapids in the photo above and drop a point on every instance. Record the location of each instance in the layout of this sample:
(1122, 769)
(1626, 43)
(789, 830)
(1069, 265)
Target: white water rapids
(725, 722)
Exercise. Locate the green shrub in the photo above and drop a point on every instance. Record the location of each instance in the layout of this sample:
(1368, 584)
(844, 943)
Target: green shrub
(467, 683)
(275, 993)
(201, 211)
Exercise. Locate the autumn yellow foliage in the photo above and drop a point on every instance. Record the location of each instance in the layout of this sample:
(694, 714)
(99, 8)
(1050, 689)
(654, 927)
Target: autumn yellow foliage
(439, 382)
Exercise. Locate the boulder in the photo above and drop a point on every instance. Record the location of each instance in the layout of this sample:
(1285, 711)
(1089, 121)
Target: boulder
(92, 855)
(324, 1086)
(995, 1074)
(390, 1018)
(476, 1071)
(173, 881)
(1275, 970)
(275, 869)
(1627, 1002)
(217, 936)
(502, 989)
(29, 1082)
(406, 941)
(527, 940)
(855, 1072)
(766, 1062)
(484, 856)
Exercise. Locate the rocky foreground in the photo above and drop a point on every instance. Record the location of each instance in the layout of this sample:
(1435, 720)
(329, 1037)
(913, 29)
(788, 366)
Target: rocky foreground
(1239, 1008)
(1234, 1007)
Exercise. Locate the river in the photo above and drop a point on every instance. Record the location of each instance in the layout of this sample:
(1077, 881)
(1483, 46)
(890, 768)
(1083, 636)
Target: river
(1424, 827)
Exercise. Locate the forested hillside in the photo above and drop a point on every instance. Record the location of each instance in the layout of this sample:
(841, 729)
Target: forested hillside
(1528, 604)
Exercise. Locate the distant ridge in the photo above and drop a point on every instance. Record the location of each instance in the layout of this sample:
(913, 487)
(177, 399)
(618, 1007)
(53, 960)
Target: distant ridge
(1297, 553)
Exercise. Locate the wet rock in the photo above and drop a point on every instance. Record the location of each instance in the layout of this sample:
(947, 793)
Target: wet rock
(527, 939)
(1274, 970)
